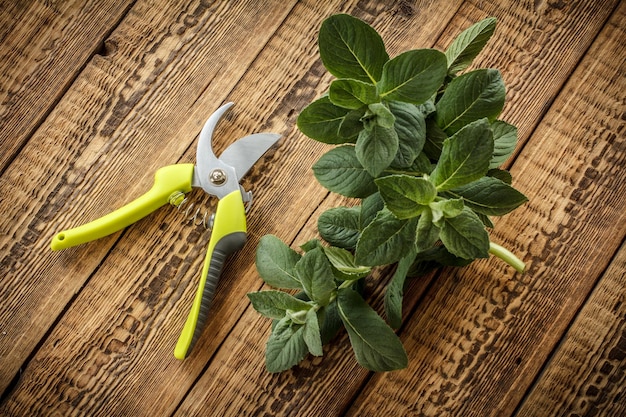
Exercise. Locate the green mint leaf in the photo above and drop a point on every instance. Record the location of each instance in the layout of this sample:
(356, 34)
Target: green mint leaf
(413, 76)
(274, 304)
(351, 125)
(379, 115)
(421, 165)
(505, 139)
(340, 226)
(352, 94)
(490, 196)
(322, 120)
(427, 232)
(370, 207)
(343, 261)
(410, 126)
(385, 240)
(375, 345)
(405, 196)
(310, 245)
(329, 321)
(501, 174)
(316, 275)
(435, 136)
(275, 262)
(470, 97)
(311, 334)
(427, 108)
(376, 148)
(465, 235)
(395, 291)
(485, 219)
(468, 44)
(285, 347)
(350, 48)
(434, 258)
(465, 156)
(446, 208)
(340, 171)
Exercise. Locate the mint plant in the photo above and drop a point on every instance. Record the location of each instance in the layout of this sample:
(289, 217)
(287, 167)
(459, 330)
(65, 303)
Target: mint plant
(419, 146)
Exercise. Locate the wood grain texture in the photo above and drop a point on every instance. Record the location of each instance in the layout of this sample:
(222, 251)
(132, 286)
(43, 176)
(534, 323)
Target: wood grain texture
(482, 335)
(98, 150)
(45, 45)
(305, 389)
(91, 330)
(337, 369)
(587, 374)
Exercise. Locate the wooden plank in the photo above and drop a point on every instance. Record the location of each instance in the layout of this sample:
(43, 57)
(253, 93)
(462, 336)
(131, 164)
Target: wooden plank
(172, 66)
(135, 313)
(255, 392)
(306, 389)
(587, 374)
(113, 356)
(483, 334)
(43, 47)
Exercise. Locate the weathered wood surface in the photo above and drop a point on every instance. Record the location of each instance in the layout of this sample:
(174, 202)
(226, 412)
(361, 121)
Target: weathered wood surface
(96, 98)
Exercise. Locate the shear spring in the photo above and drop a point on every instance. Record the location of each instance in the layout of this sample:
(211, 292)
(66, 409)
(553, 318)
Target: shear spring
(193, 214)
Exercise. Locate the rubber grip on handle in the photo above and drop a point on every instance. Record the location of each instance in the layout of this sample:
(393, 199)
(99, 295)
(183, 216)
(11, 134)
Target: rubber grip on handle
(167, 180)
(228, 236)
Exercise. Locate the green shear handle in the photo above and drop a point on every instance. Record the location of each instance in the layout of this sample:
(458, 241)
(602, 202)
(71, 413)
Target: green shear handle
(167, 180)
(228, 236)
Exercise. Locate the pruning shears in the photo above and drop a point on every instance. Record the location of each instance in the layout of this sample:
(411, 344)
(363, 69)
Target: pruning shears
(217, 176)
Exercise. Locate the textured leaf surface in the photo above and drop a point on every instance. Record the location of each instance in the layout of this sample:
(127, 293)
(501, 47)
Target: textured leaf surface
(352, 94)
(490, 196)
(464, 157)
(340, 171)
(376, 148)
(413, 76)
(322, 121)
(350, 48)
(375, 345)
(470, 97)
(395, 291)
(274, 304)
(405, 195)
(465, 236)
(275, 262)
(316, 275)
(468, 44)
(285, 347)
(386, 240)
(410, 127)
(505, 139)
(340, 226)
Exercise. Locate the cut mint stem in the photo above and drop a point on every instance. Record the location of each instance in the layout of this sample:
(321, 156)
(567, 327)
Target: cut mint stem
(507, 256)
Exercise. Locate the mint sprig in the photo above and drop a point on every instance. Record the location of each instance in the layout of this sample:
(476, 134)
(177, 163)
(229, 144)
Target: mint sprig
(420, 145)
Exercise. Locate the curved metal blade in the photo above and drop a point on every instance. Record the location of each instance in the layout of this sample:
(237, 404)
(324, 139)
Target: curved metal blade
(234, 162)
(205, 158)
(244, 153)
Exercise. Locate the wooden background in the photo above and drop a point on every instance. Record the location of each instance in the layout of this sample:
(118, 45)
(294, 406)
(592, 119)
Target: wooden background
(96, 95)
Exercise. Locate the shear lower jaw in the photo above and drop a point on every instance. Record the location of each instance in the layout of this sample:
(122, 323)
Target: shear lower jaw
(246, 196)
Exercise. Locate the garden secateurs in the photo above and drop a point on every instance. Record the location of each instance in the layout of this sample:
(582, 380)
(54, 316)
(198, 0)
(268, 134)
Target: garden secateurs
(217, 176)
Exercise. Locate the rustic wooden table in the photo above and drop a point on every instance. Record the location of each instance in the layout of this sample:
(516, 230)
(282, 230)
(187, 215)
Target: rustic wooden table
(96, 95)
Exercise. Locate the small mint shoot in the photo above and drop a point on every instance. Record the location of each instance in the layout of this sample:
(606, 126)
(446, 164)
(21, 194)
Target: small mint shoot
(507, 256)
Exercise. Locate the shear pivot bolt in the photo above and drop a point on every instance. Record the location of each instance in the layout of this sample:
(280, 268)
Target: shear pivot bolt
(217, 177)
